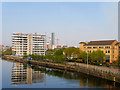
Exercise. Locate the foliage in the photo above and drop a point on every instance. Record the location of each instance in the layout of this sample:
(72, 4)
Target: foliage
(50, 52)
(37, 57)
(7, 52)
(98, 57)
(117, 62)
(59, 58)
(83, 55)
(59, 52)
(25, 55)
(72, 52)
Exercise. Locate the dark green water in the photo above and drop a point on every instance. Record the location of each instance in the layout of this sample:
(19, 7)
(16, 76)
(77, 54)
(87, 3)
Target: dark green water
(17, 75)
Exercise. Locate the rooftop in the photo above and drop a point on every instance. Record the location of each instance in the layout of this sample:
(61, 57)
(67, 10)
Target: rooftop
(103, 42)
(117, 43)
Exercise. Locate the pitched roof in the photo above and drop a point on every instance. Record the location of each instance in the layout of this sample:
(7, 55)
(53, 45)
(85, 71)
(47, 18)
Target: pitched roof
(82, 42)
(117, 43)
(104, 42)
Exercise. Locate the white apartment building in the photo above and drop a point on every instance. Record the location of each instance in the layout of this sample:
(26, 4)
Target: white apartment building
(29, 43)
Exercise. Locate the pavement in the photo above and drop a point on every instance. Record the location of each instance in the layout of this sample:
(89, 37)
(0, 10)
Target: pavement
(101, 68)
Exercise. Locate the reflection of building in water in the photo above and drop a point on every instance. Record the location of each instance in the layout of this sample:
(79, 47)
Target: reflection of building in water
(20, 75)
(29, 76)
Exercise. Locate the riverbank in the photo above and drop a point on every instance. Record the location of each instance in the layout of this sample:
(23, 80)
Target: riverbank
(108, 74)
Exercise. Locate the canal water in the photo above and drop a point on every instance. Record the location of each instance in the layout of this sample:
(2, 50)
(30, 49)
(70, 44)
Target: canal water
(17, 75)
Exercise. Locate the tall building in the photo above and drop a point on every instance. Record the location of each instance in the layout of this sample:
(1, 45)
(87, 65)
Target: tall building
(28, 43)
(52, 40)
(111, 48)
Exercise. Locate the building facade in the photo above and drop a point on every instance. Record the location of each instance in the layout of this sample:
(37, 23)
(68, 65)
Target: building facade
(28, 43)
(111, 48)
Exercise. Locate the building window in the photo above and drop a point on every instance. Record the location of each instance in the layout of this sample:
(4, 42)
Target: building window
(88, 47)
(94, 47)
(107, 46)
(108, 58)
(101, 47)
(108, 51)
(90, 51)
(113, 51)
(113, 56)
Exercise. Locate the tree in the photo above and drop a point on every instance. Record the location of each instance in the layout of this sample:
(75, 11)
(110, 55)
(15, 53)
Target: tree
(72, 52)
(50, 52)
(83, 56)
(59, 56)
(93, 57)
(117, 62)
(98, 57)
(7, 52)
(25, 55)
(76, 53)
(59, 52)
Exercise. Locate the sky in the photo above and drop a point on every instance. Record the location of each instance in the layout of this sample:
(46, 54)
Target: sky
(72, 22)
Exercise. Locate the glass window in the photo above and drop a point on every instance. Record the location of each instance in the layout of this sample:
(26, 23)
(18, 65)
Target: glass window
(108, 58)
(88, 47)
(101, 47)
(107, 46)
(108, 51)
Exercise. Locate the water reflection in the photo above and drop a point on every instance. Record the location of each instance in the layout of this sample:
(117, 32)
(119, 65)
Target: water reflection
(25, 75)
(84, 80)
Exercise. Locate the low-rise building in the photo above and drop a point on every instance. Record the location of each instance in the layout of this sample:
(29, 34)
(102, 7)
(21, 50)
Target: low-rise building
(111, 48)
